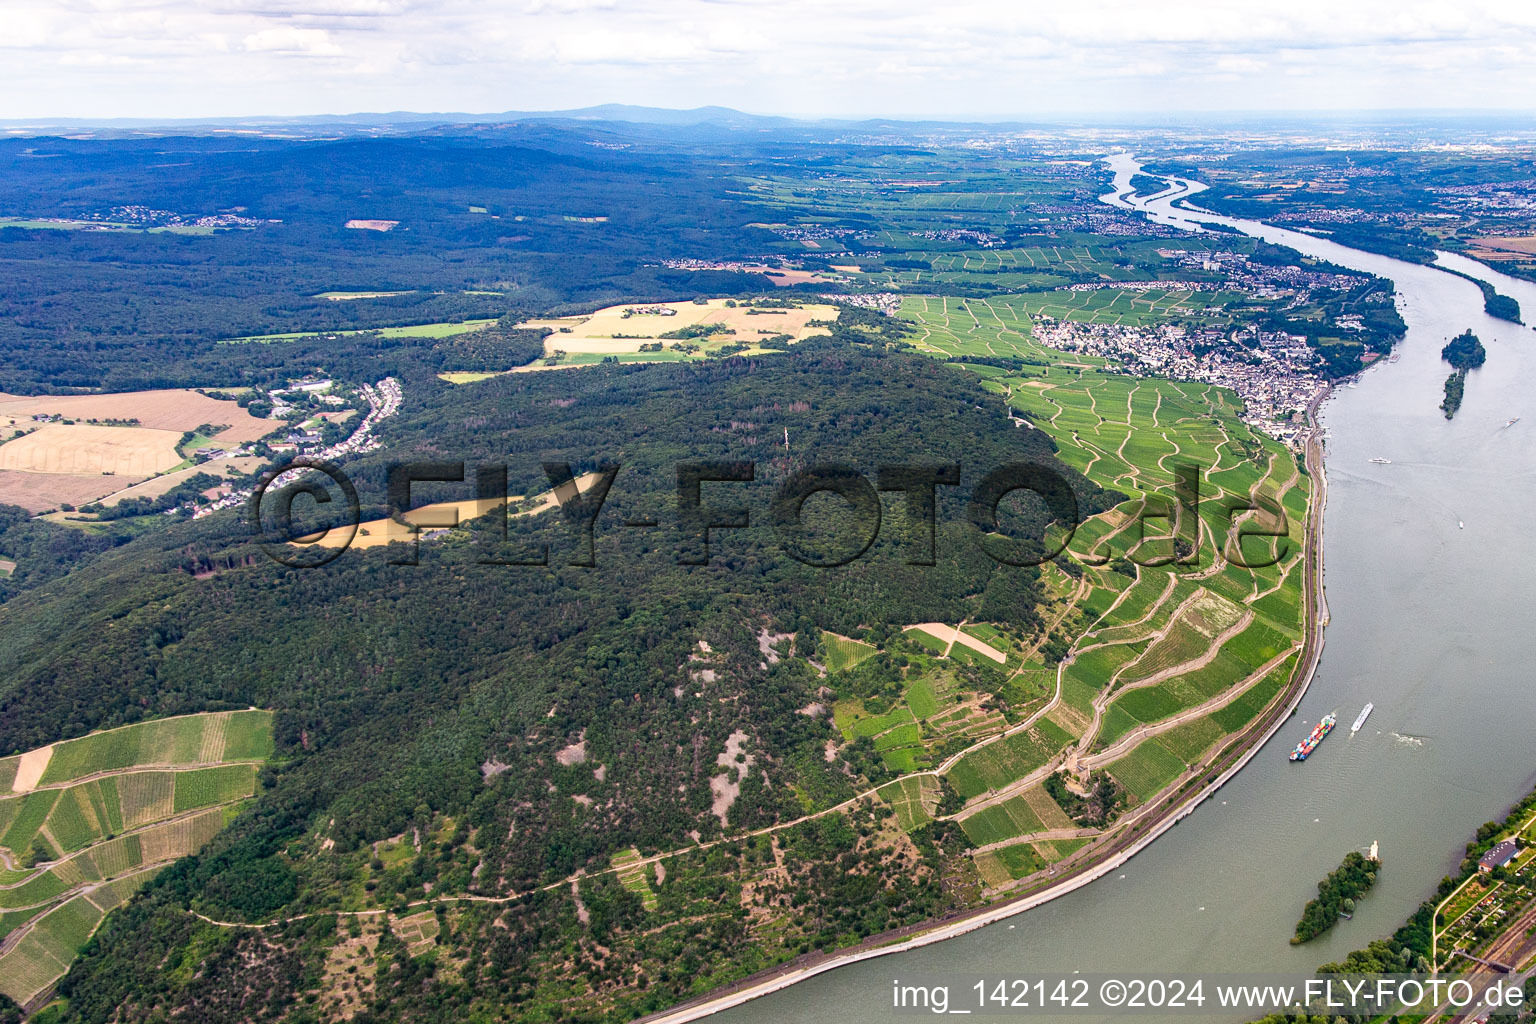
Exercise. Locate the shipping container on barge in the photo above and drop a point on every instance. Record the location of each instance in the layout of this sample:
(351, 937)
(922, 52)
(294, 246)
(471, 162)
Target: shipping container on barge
(1305, 747)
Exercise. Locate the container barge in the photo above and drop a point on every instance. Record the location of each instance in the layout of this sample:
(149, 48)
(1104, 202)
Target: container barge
(1305, 747)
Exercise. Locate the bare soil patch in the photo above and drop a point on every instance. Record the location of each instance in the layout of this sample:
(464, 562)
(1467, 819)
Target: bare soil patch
(576, 753)
(724, 789)
(951, 635)
(30, 770)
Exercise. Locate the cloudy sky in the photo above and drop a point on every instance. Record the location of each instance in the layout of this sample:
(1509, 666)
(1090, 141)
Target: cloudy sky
(943, 58)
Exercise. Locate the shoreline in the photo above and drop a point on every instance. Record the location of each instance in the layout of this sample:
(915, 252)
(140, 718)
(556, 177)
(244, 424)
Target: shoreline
(939, 930)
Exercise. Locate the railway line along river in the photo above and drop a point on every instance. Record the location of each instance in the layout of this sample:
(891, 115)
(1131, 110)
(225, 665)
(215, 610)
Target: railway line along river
(1430, 573)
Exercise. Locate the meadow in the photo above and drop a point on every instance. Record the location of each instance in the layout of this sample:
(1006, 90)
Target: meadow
(443, 329)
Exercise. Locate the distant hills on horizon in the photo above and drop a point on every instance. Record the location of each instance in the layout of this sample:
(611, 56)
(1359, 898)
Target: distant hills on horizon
(719, 117)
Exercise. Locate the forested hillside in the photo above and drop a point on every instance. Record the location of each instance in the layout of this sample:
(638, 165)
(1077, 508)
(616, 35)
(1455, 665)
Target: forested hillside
(481, 226)
(531, 779)
(435, 701)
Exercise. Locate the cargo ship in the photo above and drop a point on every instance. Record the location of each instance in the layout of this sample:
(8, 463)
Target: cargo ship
(1365, 713)
(1305, 747)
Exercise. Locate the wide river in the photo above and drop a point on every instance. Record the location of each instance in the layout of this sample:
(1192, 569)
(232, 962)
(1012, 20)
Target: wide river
(1430, 570)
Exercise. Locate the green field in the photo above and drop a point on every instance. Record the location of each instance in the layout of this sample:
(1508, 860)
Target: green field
(1012, 817)
(635, 877)
(1007, 760)
(1147, 769)
(80, 825)
(843, 653)
(437, 330)
(913, 800)
(1127, 434)
(849, 718)
(922, 699)
(171, 741)
(205, 787)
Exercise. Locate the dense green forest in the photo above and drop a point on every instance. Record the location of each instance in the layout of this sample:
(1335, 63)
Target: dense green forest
(145, 309)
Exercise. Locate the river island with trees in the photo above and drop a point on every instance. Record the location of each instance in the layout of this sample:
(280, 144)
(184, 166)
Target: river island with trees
(1336, 896)
(1464, 352)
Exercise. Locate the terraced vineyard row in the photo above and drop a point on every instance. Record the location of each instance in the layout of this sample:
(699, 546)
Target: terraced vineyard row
(85, 825)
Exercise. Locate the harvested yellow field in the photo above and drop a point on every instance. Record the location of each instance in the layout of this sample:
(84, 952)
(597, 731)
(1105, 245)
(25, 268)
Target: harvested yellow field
(30, 769)
(783, 277)
(175, 409)
(617, 330)
(443, 515)
(1523, 244)
(76, 449)
(469, 376)
(38, 492)
(80, 462)
(554, 323)
(167, 481)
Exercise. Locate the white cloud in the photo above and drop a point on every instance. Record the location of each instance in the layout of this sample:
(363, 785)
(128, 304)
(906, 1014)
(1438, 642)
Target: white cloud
(963, 58)
(314, 42)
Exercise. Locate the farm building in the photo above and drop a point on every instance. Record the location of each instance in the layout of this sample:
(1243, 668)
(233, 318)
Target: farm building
(1498, 856)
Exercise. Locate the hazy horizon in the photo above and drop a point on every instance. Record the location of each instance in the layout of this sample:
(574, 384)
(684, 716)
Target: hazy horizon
(618, 111)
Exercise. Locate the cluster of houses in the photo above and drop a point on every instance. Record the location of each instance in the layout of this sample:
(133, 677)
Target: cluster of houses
(1501, 197)
(383, 401)
(282, 408)
(980, 239)
(885, 302)
(151, 217)
(817, 232)
(1260, 279)
(1273, 373)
